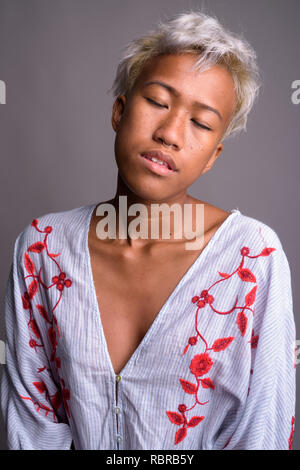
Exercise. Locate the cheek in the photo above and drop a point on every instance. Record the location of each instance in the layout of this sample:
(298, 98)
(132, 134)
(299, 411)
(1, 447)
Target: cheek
(137, 117)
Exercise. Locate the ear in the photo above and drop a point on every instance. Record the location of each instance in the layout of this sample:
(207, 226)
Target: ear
(118, 110)
(213, 158)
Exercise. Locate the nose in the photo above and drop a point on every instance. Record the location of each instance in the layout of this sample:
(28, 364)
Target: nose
(170, 131)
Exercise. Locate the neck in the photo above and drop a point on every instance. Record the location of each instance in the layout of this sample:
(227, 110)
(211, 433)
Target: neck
(157, 219)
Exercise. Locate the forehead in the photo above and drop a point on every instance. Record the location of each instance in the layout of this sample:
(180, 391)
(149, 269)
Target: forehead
(214, 86)
(180, 66)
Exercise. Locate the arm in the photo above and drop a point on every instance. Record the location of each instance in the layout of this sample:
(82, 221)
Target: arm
(31, 400)
(266, 419)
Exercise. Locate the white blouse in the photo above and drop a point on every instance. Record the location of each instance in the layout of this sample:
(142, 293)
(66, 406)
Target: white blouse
(215, 370)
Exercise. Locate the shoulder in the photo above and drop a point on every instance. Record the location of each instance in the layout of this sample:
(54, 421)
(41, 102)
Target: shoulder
(243, 228)
(255, 232)
(60, 226)
(263, 247)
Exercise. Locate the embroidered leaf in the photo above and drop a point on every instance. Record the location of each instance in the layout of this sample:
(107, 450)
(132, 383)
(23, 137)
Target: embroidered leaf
(207, 383)
(246, 275)
(175, 418)
(228, 442)
(52, 357)
(250, 297)
(267, 251)
(194, 421)
(185, 349)
(33, 288)
(52, 255)
(58, 362)
(254, 341)
(222, 343)
(224, 274)
(43, 312)
(242, 321)
(180, 435)
(52, 337)
(37, 247)
(66, 394)
(56, 400)
(35, 328)
(26, 303)
(55, 321)
(188, 387)
(29, 264)
(40, 386)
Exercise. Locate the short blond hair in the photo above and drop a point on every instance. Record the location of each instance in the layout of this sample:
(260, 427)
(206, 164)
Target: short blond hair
(203, 35)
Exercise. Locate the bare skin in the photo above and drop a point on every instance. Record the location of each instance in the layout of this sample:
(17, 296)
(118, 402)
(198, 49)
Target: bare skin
(134, 278)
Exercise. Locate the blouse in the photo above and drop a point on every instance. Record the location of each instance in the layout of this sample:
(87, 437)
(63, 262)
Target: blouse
(216, 369)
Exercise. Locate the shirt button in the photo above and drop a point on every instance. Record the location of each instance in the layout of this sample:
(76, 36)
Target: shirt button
(119, 439)
(118, 378)
(117, 410)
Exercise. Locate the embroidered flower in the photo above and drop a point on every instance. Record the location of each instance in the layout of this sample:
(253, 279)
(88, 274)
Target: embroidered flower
(193, 340)
(182, 408)
(204, 294)
(201, 364)
(61, 282)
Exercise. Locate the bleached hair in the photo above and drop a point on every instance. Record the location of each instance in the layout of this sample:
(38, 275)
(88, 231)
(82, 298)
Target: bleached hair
(203, 35)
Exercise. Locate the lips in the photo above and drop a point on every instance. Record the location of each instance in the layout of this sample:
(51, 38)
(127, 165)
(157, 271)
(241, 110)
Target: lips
(162, 157)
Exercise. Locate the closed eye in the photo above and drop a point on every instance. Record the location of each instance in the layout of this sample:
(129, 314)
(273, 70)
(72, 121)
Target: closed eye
(201, 125)
(155, 103)
(163, 106)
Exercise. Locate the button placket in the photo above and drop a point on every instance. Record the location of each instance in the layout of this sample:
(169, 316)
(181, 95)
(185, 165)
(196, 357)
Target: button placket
(117, 411)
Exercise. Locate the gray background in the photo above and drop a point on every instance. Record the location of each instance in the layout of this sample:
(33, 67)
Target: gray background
(58, 59)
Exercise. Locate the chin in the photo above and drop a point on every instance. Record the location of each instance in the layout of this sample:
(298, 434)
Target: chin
(147, 188)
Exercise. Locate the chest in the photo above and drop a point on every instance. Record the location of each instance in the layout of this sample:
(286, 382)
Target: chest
(130, 295)
(131, 289)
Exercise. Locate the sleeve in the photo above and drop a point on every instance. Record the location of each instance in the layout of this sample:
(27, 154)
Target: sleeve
(267, 416)
(29, 393)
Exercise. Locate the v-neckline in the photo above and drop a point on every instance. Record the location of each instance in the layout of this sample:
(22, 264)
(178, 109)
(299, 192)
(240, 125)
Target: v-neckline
(159, 316)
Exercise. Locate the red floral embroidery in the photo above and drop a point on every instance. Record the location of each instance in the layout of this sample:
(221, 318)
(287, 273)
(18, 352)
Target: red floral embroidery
(201, 364)
(292, 433)
(254, 340)
(60, 282)
(228, 442)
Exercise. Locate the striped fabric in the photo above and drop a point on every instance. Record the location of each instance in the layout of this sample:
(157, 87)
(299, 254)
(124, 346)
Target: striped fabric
(216, 369)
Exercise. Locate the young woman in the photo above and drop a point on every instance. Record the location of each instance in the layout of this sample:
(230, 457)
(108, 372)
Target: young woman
(130, 342)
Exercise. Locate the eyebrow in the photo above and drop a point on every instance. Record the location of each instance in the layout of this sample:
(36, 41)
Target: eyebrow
(198, 104)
